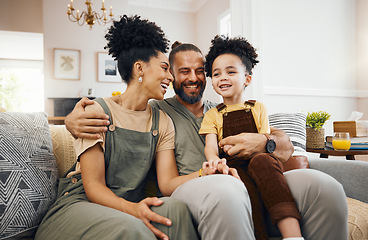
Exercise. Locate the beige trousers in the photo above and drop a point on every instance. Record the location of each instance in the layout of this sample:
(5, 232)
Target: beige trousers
(221, 208)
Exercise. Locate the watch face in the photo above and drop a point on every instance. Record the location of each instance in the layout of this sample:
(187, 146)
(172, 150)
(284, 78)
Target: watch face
(270, 146)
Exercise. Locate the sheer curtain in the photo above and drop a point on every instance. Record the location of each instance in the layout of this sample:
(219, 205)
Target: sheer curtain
(21, 71)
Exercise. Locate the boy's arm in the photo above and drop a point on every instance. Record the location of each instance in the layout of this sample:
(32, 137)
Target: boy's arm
(82, 124)
(211, 149)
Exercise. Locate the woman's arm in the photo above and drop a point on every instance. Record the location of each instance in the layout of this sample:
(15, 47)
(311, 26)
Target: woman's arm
(93, 175)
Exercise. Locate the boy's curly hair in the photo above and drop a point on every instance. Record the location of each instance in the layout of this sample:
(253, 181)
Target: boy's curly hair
(238, 46)
(131, 39)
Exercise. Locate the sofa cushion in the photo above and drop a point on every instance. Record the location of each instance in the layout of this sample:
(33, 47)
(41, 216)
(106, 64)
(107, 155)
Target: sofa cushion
(358, 219)
(294, 124)
(28, 173)
(63, 145)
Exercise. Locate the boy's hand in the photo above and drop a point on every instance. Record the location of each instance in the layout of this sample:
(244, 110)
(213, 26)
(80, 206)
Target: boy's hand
(218, 166)
(82, 124)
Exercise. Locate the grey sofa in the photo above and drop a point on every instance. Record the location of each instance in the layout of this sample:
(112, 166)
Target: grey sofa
(353, 175)
(34, 154)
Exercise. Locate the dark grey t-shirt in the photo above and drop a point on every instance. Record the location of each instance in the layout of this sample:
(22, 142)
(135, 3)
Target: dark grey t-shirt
(189, 145)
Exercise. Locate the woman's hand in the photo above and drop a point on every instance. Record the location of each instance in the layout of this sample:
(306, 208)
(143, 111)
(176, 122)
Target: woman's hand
(218, 166)
(142, 211)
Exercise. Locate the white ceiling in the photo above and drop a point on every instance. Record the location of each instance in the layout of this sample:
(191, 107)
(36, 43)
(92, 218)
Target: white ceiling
(176, 5)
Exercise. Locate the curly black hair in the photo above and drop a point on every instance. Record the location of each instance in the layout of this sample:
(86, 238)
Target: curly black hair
(238, 46)
(131, 39)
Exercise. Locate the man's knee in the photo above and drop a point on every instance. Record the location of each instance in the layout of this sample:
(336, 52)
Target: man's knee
(227, 191)
(308, 185)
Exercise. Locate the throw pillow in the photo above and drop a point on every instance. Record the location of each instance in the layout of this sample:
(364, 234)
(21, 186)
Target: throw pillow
(28, 173)
(294, 124)
(358, 219)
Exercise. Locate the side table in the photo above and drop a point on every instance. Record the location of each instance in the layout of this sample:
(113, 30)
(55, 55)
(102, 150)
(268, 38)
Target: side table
(350, 154)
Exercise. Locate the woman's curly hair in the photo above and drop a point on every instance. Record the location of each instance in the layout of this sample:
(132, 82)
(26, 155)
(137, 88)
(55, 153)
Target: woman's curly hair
(238, 46)
(131, 39)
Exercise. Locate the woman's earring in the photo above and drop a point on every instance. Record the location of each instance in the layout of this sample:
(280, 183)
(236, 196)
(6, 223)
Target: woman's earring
(140, 79)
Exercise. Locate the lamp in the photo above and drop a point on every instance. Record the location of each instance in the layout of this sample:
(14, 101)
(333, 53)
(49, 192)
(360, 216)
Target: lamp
(90, 16)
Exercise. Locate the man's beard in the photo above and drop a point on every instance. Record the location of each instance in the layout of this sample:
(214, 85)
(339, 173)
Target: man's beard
(179, 90)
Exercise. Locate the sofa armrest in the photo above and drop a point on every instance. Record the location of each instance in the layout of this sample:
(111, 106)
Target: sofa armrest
(351, 174)
(63, 146)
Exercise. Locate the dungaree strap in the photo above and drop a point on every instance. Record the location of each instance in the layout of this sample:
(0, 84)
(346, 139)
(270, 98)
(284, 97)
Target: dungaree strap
(155, 121)
(104, 107)
(155, 117)
(222, 106)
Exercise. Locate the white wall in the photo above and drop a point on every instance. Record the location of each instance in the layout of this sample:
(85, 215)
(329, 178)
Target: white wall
(59, 32)
(178, 26)
(206, 28)
(362, 55)
(307, 55)
(306, 49)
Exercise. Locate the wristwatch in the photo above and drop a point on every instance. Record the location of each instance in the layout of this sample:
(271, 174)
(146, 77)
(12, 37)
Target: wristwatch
(271, 144)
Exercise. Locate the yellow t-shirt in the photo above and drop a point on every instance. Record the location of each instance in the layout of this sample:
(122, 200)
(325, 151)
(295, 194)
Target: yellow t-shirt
(133, 120)
(213, 122)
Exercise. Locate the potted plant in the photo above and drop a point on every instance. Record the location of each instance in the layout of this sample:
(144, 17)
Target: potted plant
(315, 130)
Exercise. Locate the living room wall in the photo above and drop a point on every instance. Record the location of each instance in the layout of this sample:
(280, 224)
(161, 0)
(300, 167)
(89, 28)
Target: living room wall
(29, 14)
(362, 56)
(59, 32)
(307, 56)
(308, 50)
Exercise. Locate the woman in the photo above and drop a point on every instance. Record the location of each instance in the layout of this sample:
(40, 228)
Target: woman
(109, 203)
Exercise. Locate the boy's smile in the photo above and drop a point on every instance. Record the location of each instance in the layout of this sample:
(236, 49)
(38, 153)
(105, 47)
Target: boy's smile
(229, 77)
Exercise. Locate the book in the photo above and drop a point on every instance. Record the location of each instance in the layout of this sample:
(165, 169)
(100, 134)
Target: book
(352, 139)
(354, 146)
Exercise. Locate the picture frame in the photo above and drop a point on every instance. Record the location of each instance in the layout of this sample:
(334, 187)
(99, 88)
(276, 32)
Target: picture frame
(107, 68)
(67, 64)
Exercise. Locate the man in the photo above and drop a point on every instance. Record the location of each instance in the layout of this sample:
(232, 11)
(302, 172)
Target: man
(219, 205)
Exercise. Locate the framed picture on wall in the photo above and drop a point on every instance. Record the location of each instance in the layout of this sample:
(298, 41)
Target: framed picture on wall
(107, 68)
(67, 64)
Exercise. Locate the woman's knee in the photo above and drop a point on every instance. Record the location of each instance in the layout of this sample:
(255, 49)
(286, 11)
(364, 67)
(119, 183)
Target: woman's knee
(173, 207)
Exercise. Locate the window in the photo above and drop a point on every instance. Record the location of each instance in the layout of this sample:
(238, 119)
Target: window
(224, 24)
(21, 72)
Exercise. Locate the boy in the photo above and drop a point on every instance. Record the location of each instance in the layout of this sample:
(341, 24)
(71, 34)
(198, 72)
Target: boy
(229, 63)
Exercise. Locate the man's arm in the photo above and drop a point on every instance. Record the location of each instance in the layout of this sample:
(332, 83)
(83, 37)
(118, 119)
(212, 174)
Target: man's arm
(248, 145)
(82, 124)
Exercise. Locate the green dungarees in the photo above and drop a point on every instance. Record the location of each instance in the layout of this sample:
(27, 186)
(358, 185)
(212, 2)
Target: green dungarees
(128, 157)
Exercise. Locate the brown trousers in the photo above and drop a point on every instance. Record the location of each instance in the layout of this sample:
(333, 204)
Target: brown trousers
(262, 176)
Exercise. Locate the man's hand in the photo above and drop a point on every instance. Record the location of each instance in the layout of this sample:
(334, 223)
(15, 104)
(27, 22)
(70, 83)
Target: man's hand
(82, 124)
(218, 167)
(244, 145)
(247, 145)
(142, 211)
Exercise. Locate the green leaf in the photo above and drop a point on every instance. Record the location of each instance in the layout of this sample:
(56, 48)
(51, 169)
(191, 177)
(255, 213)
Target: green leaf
(317, 119)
